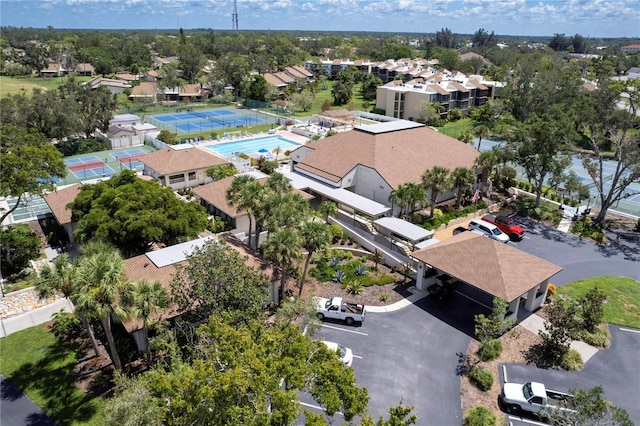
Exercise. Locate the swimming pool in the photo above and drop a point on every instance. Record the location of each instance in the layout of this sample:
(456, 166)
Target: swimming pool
(249, 146)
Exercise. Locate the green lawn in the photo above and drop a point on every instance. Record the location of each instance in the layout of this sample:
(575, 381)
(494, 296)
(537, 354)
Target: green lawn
(42, 367)
(13, 85)
(456, 128)
(622, 306)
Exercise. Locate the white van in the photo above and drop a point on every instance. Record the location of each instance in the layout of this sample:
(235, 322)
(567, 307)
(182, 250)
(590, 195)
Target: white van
(489, 230)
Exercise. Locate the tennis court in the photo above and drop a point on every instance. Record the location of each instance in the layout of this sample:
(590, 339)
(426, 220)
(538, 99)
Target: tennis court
(206, 121)
(130, 158)
(88, 167)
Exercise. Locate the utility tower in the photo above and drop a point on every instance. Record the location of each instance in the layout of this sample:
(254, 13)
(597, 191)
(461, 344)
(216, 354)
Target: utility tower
(234, 16)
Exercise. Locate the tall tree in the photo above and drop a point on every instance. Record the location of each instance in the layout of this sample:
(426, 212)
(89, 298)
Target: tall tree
(256, 89)
(282, 247)
(93, 108)
(445, 38)
(328, 208)
(435, 180)
(241, 194)
(132, 213)
(536, 147)
(216, 280)
(606, 129)
(416, 198)
(29, 164)
(480, 132)
(588, 407)
(369, 86)
(191, 61)
(145, 299)
(463, 179)
(232, 68)
(398, 197)
(99, 291)
(61, 278)
(315, 238)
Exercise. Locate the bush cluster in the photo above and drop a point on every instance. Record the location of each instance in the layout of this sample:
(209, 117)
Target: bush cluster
(491, 350)
(572, 360)
(481, 378)
(480, 416)
(450, 213)
(588, 229)
(328, 265)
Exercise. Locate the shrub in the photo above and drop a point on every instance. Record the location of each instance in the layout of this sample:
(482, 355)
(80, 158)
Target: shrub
(437, 213)
(339, 276)
(335, 261)
(552, 290)
(361, 270)
(637, 228)
(491, 350)
(353, 287)
(599, 338)
(336, 232)
(481, 378)
(66, 326)
(480, 416)
(384, 297)
(572, 360)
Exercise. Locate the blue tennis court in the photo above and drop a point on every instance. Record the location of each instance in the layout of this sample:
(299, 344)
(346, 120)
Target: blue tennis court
(82, 160)
(129, 158)
(88, 167)
(193, 115)
(213, 123)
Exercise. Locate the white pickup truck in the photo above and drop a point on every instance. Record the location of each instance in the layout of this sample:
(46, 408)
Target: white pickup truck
(337, 309)
(532, 397)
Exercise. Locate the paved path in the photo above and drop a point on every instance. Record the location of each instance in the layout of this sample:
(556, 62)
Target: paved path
(17, 409)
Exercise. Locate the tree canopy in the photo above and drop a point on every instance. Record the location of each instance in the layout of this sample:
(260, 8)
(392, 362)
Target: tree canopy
(29, 164)
(132, 213)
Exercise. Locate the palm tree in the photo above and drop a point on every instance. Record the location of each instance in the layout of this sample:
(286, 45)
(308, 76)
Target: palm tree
(435, 179)
(466, 137)
(278, 151)
(486, 161)
(61, 278)
(100, 285)
(239, 197)
(377, 258)
(480, 132)
(328, 208)
(315, 237)
(278, 183)
(285, 211)
(462, 178)
(398, 197)
(416, 198)
(281, 247)
(146, 299)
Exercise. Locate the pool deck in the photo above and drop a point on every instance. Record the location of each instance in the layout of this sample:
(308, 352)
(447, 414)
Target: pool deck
(293, 137)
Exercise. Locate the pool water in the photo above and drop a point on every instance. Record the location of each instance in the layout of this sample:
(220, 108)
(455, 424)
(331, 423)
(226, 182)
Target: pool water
(249, 146)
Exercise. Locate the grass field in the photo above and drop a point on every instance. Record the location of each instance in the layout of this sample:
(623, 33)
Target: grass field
(14, 85)
(42, 367)
(456, 128)
(622, 306)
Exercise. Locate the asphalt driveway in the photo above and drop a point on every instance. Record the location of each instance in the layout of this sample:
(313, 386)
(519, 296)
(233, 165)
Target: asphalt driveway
(16, 409)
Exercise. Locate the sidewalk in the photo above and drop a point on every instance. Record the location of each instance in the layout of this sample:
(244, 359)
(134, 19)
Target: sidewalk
(401, 303)
(534, 324)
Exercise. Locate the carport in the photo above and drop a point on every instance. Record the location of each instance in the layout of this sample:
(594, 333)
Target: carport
(346, 200)
(494, 268)
(397, 229)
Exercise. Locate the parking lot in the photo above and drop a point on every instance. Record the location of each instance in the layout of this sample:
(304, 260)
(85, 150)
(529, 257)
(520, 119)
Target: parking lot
(412, 354)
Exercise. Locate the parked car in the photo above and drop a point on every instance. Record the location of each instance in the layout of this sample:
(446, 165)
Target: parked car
(345, 354)
(489, 230)
(336, 308)
(506, 225)
(532, 397)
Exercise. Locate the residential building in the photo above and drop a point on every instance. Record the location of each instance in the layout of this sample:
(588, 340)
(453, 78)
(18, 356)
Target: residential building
(634, 72)
(450, 90)
(114, 86)
(631, 48)
(372, 160)
(57, 201)
(146, 91)
(53, 70)
(331, 67)
(84, 69)
(127, 130)
(180, 166)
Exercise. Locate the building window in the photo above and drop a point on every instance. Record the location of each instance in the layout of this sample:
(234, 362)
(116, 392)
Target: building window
(192, 175)
(176, 179)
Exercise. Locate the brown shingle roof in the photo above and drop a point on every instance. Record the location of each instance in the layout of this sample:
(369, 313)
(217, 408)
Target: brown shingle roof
(146, 88)
(439, 89)
(190, 90)
(494, 267)
(167, 161)
(215, 193)
(274, 80)
(58, 200)
(399, 156)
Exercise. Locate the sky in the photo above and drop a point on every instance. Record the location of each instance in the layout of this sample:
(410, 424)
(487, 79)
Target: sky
(589, 18)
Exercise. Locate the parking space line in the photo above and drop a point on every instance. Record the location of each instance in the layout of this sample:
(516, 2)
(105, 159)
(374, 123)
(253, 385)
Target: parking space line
(628, 330)
(356, 356)
(345, 330)
(531, 422)
(318, 408)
